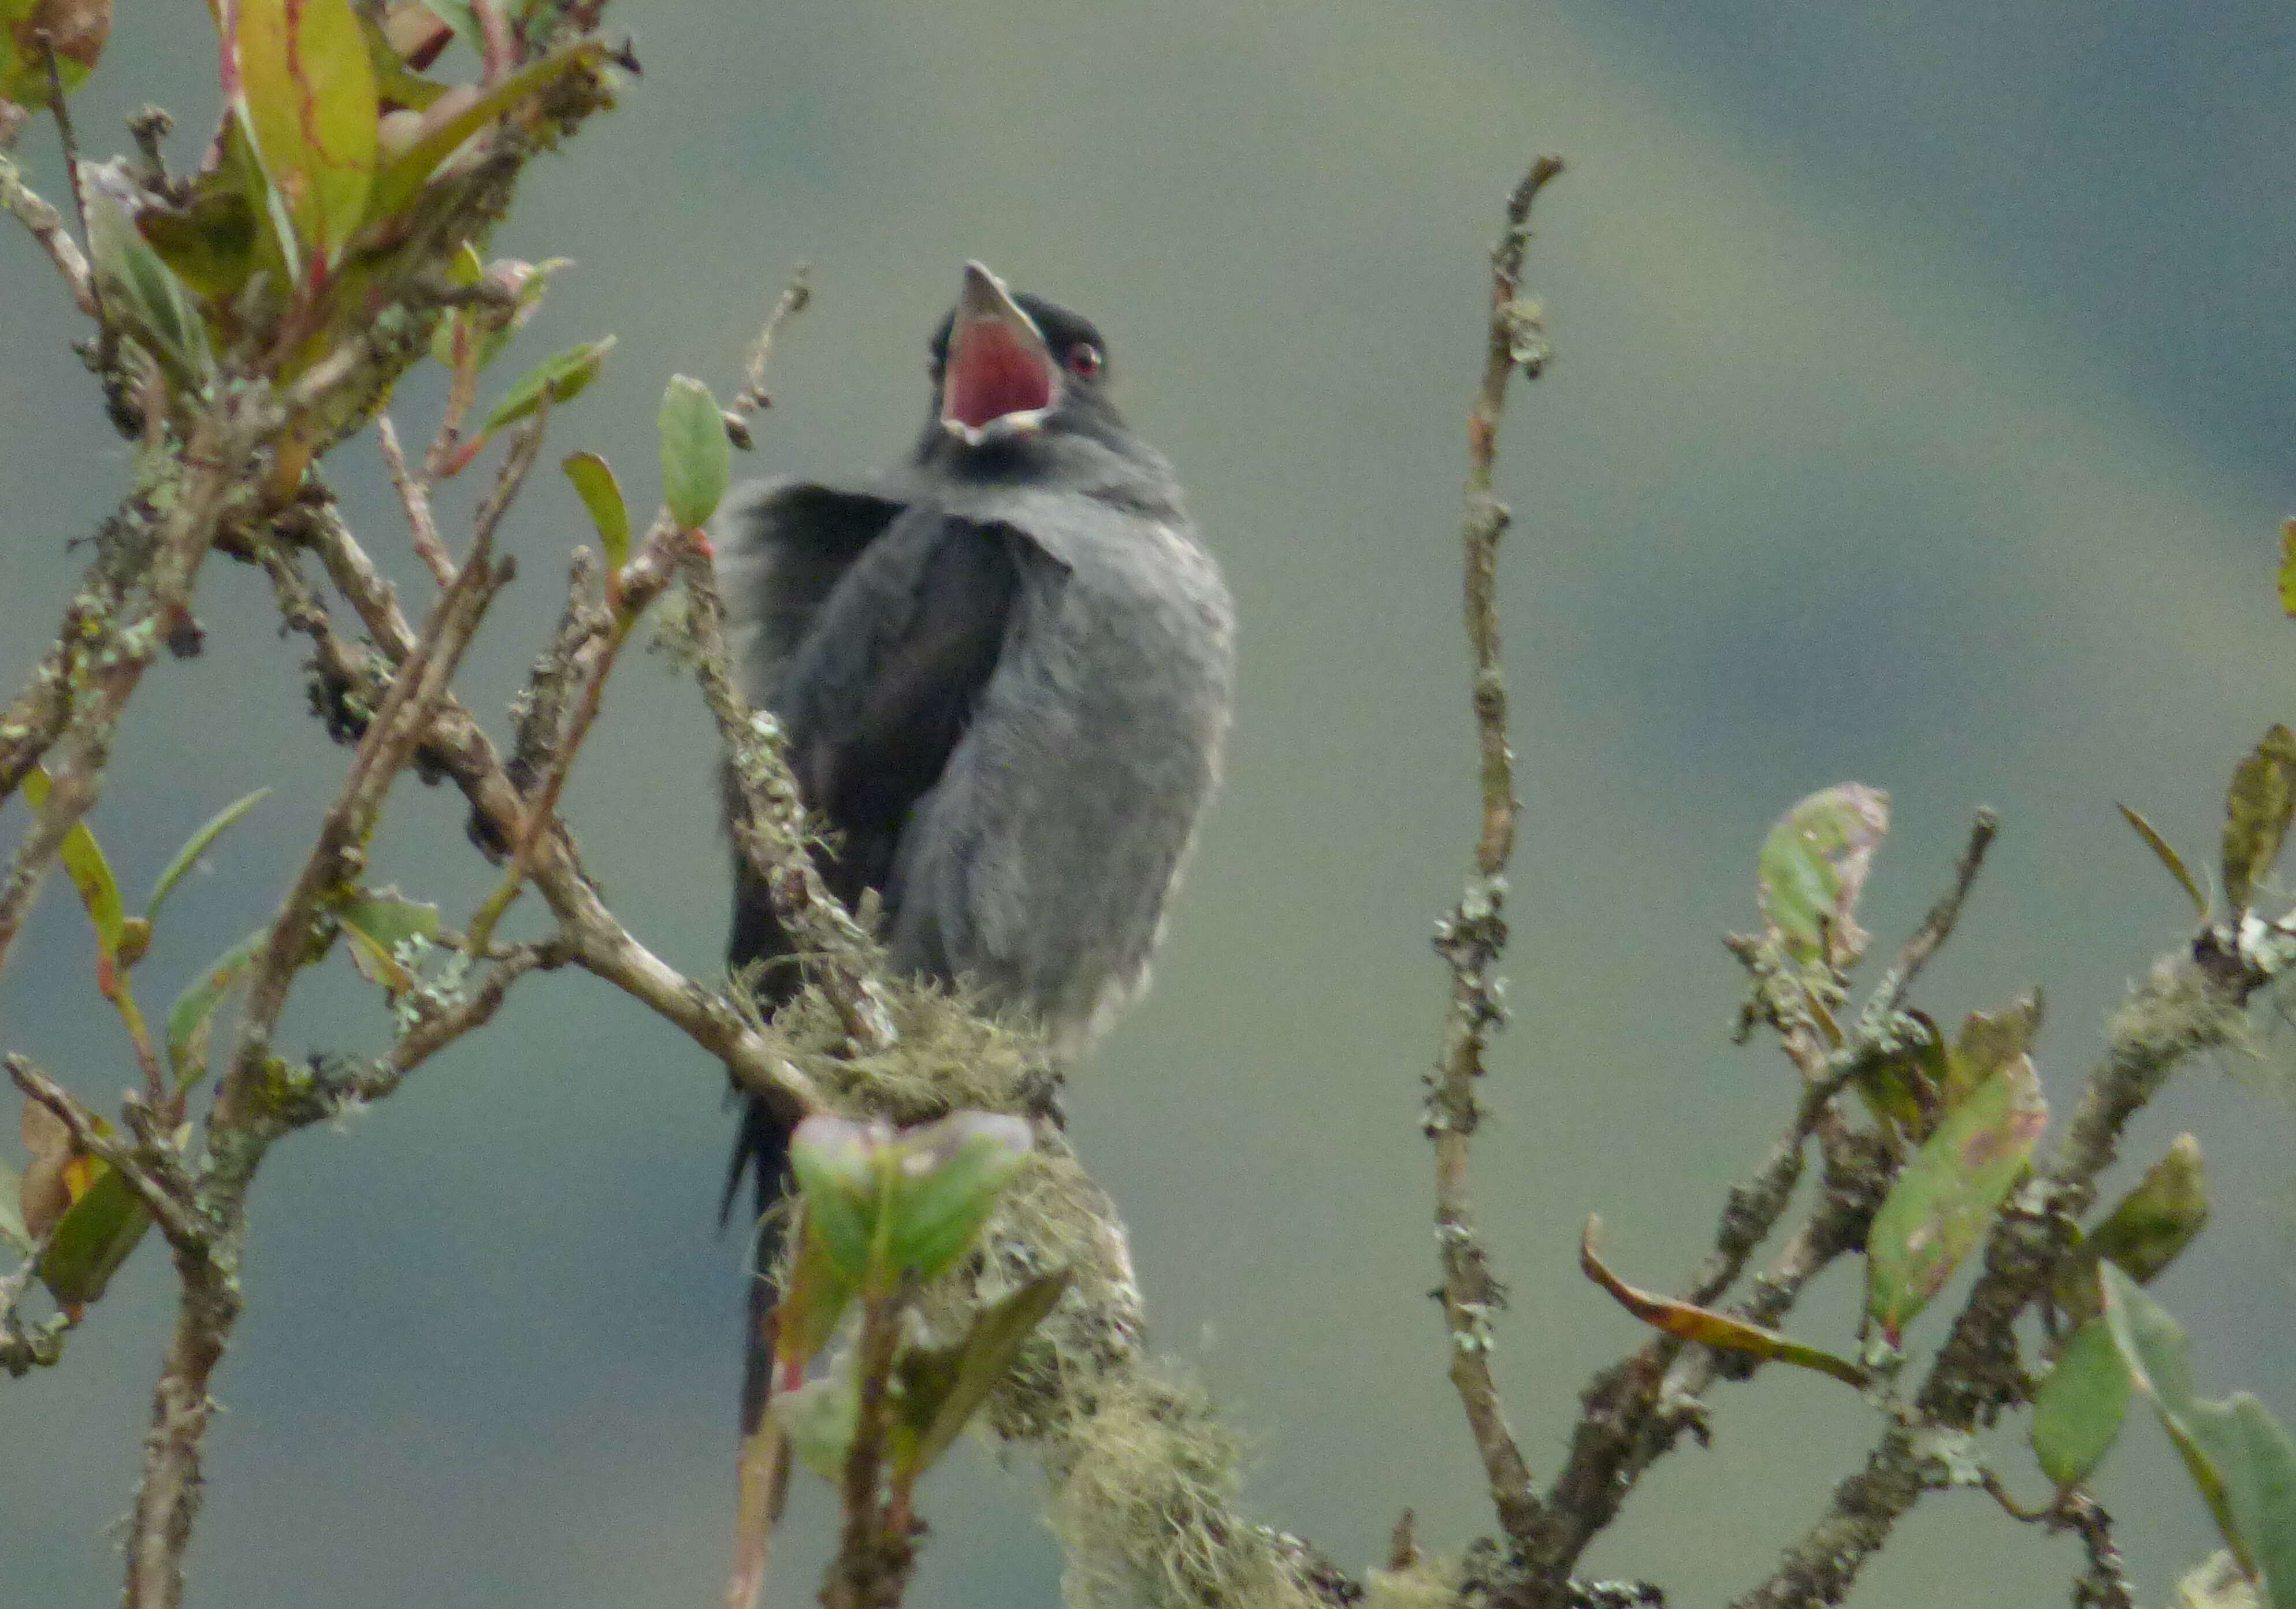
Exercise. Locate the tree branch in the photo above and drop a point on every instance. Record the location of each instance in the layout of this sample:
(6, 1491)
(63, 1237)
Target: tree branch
(1471, 938)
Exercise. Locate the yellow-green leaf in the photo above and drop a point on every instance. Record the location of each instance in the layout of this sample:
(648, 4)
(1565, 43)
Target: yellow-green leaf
(947, 1178)
(2167, 856)
(308, 88)
(601, 495)
(446, 126)
(90, 871)
(561, 379)
(93, 1238)
(1941, 1202)
(2257, 813)
(77, 29)
(1708, 1327)
(1988, 1041)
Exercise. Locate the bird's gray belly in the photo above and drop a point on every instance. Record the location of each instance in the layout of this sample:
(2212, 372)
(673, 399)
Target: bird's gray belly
(1038, 868)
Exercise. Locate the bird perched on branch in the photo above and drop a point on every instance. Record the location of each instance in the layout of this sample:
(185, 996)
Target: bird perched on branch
(1002, 671)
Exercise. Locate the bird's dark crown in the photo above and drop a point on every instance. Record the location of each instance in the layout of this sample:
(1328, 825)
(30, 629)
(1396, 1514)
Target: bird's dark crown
(1083, 409)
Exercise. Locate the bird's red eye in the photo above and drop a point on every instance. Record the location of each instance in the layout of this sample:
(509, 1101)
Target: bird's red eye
(1084, 360)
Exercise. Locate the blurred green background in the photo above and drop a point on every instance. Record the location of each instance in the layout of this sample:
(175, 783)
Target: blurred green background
(1920, 415)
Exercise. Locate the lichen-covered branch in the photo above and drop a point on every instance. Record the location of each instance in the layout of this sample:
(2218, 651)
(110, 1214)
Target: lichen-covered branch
(1471, 938)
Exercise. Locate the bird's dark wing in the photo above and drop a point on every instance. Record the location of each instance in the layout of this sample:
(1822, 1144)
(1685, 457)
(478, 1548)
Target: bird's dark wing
(786, 545)
(872, 700)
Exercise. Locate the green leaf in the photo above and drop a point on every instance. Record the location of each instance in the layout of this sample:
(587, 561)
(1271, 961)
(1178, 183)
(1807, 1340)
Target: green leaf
(12, 1212)
(394, 83)
(2242, 1460)
(197, 845)
(463, 270)
(836, 1166)
(1812, 869)
(2257, 813)
(225, 233)
(309, 93)
(2152, 1346)
(448, 123)
(941, 1389)
(77, 29)
(1990, 1041)
(90, 871)
(1939, 1208)
(1905, 1086)
(2079, 1410)
(945, 1182)
(2158, 1218)
(601, 495)
(561, 379)
(188, 1020)
(140, 292)
(820, 1417)
(378, 925)
(2256, 1462)
(93, 1238)
(697, 461)
(2168, 857)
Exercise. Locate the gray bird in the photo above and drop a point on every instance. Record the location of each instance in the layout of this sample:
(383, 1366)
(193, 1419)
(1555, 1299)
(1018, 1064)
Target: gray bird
(1004, 671)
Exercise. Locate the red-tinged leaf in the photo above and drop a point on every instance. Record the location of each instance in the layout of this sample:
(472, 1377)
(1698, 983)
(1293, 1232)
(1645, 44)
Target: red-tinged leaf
(1708, 1327)
(309, 93)
(2079, 1407)
(77, 30)
(1812, 869)
(445, 127)
(601, 495)
(1939, 1208)
(2258, 810)
(2168, 857)
(90, 873)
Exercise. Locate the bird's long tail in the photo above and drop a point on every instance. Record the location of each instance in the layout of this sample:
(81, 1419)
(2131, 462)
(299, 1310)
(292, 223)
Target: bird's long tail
(762, 1147)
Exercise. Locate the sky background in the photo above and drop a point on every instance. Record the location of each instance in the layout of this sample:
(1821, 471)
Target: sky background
(1920, 415)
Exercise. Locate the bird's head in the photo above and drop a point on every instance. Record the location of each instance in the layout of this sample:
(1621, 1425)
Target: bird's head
(1013, 375)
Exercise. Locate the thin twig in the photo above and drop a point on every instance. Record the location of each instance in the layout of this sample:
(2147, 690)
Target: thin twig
(416, 501)
(47, 227)
(163, 1194)
(1889, 996)
(1471, 938)
(794, 299)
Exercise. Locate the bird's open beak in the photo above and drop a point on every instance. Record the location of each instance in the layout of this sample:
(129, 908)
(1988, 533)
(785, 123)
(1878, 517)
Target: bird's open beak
(1000, 379)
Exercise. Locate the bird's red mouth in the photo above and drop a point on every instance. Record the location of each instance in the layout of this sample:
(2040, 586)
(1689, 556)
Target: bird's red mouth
(995, 370)
(999, 369)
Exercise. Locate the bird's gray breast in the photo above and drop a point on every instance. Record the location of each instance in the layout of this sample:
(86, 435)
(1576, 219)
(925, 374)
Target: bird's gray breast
(1040, 863)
